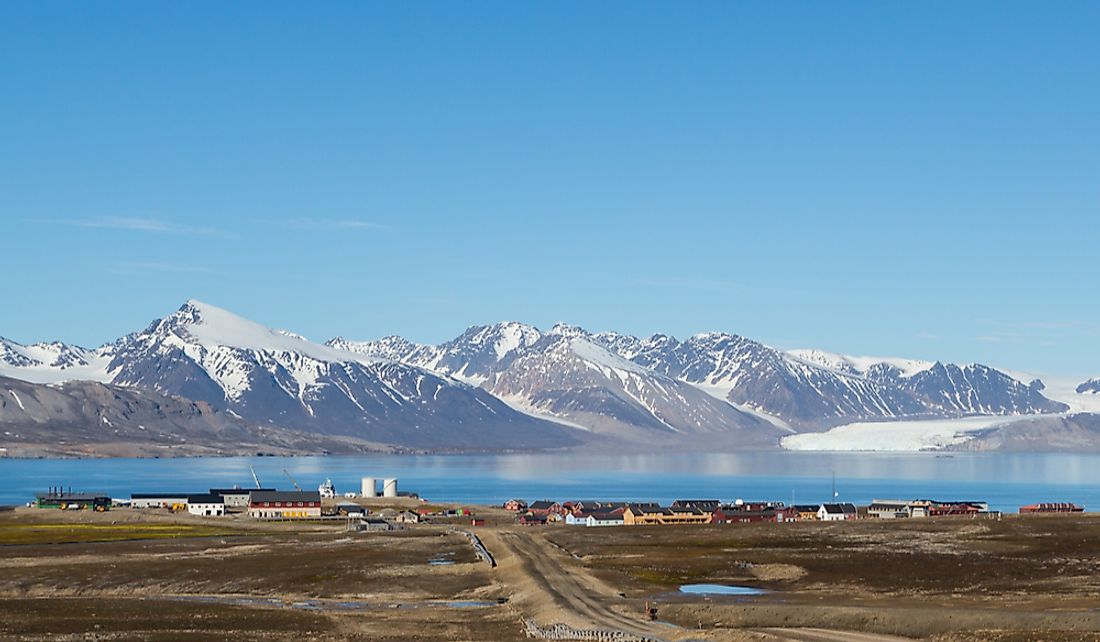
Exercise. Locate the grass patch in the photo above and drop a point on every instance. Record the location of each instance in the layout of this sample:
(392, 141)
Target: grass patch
(23, 534)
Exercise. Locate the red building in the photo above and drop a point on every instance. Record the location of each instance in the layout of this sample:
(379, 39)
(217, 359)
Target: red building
(515, 505)
(1053, 507)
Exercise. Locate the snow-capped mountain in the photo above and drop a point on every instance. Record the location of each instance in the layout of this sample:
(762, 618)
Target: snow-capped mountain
(570, 375)
(494, 386)
(207, 354)
(470, 357)
(584, 383)
(810, 388)
(51, 362)
(1092, 386)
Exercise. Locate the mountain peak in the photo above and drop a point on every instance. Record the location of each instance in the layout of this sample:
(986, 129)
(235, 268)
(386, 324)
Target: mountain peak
(200, 323)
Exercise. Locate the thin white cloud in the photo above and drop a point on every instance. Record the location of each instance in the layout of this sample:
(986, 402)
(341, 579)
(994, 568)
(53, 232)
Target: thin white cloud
(138, 224)
(929, 336)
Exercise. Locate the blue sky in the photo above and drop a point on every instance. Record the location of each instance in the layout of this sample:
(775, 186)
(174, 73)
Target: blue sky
(916, 179)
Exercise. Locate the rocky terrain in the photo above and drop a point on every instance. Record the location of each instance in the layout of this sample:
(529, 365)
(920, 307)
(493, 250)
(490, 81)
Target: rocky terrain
(86, 418)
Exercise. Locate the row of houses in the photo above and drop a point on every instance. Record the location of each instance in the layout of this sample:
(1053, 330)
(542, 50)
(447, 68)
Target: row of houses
(713, 511)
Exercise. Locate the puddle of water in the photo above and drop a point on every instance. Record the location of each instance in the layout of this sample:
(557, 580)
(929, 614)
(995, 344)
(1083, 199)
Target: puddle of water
(469, 604)
(719, 589)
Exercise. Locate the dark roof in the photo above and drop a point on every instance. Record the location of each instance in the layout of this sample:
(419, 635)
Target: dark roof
(807, 508)
(696, 503)
(159, 495)
(836, 509)
(284, 496)
(542, 504)
(236, 491)
(205, 499)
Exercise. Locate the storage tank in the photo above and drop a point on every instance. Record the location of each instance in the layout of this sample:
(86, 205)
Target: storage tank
(389, 488)
(368, 488)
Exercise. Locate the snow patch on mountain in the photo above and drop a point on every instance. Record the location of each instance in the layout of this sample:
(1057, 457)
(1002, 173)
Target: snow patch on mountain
(859, 365)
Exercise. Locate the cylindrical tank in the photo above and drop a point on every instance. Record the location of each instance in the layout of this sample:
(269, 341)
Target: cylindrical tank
(389, 488)
(368, 488)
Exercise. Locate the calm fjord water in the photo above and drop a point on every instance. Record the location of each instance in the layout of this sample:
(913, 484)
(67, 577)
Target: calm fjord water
(1007, 481)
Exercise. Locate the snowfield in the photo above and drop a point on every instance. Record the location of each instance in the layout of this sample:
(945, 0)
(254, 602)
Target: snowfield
(894, 436)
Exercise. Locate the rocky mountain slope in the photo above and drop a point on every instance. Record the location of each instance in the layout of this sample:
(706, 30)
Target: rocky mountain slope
(1092, 386)
(86, 418)
(1074, 433)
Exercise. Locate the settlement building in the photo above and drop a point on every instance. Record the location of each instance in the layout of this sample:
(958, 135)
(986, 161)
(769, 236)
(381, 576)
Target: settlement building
(888, 509)
(206, 505)
(1058, 507)
(837, 512)
(515, 505)
(613, 518)
(236, 497)
(73, 501)
(174, 501)
(279, 504)
(636, 515)
(546, 507)
(807, 512)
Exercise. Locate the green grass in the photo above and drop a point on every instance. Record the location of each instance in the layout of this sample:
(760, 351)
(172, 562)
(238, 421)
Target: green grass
(14, 534)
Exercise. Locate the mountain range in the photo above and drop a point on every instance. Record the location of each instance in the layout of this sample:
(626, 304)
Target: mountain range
(494, 387)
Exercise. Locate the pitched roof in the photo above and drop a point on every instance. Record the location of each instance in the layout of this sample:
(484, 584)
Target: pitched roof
(837, 509)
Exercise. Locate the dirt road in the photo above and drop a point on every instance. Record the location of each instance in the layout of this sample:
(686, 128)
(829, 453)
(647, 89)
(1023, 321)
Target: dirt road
(550, 587)
(575, 593)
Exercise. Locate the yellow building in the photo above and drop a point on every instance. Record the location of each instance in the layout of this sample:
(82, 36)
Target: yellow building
(636, 515)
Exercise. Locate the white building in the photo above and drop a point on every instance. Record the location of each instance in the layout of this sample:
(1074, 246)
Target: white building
(837, 512)
(888, 509)
(206, 505)
(603, 519)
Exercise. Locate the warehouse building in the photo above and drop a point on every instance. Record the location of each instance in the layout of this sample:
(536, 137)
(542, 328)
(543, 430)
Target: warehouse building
(57, 498)
(175, 501)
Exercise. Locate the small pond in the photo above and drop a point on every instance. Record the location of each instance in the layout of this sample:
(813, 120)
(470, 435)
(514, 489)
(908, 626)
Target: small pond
(720, 589)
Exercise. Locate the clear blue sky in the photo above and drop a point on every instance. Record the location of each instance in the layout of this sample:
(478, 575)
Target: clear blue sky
(916, 179)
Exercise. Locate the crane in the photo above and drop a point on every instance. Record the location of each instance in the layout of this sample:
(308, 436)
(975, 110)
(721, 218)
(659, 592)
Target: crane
(292, 480)
(254, 477)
